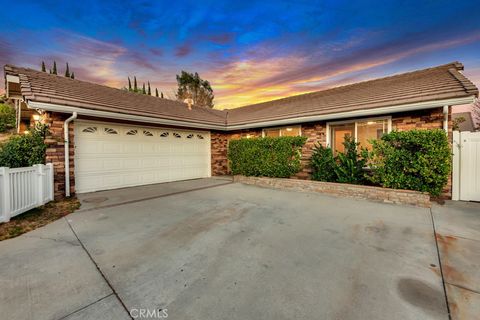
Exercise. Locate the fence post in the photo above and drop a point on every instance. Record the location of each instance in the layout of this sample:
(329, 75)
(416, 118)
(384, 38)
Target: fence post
(51, 185)
(456, 150)
(5, 195)
(39, 183)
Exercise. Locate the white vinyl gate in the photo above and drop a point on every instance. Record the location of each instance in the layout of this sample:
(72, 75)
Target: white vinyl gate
(110, 155)
(22, 189)
(466, 166)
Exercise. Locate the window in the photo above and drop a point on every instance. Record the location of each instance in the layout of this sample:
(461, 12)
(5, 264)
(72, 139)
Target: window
(131, 132)
(90, 130)
(110, 131)
(362, 130)
(283, 132)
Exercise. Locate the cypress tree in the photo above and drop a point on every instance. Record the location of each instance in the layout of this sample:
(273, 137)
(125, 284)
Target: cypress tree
(149, 92)
(129, 84)
(54, 70)
(43, 67)
(156, 92)
(135, 87)
(161, 95)
(67, 71)
(143, 89)
(73, 75)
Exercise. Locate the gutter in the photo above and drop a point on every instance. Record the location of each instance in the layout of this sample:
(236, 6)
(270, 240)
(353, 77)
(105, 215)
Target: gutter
(67, 153)
(259, 124)
(445, 118)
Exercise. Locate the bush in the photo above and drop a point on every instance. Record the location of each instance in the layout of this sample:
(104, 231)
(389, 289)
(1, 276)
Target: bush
(24, 150)
(7, 117)
(346, 167)
(268, 157)
(414, 160)
(350, 163)
(323, 164)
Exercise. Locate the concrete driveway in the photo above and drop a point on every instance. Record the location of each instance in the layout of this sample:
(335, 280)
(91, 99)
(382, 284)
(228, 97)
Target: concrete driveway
(228, 252)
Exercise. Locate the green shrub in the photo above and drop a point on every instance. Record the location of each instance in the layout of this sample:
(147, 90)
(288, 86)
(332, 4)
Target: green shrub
(346, 167)
(268, 157)
(350, 163)
(7, 117)
(323, 164)
(414, 160)
(24, 150)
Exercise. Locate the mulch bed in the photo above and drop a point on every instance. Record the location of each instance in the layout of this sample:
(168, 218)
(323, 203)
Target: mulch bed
(37, 217)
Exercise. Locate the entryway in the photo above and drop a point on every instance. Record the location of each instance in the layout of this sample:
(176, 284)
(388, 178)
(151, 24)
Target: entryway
(466, 166)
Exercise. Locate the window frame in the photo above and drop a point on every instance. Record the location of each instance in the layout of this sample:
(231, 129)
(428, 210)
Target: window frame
(299, 126)
(355, 122)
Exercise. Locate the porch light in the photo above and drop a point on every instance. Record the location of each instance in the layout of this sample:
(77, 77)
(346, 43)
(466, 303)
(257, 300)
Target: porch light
(36, 117)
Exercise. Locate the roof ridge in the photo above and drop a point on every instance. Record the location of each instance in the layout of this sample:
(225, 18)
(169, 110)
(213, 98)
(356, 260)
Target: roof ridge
(456, 64)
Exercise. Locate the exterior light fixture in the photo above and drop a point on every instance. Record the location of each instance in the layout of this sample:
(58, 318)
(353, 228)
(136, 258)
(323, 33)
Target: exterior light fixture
(370, 122)
(289, 129)
(248, 136)
(36, 117)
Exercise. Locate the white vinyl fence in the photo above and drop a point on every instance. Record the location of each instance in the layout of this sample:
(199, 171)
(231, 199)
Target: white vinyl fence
(22, 189)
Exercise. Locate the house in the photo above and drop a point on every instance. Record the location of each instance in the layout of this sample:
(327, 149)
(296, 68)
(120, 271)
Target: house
(105, 138)
(465, 121)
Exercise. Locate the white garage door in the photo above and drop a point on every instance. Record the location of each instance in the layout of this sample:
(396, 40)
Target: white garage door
(109, 156)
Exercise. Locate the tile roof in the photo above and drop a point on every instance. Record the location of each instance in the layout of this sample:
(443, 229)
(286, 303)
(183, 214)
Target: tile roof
(48, 88)
(437, 83)
(442, 82)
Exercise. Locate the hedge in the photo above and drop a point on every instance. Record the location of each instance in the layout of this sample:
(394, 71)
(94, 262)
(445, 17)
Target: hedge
(24, 150)
(268, 157)
(414, 160)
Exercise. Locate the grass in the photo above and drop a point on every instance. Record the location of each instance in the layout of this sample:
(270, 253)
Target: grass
(37, 218)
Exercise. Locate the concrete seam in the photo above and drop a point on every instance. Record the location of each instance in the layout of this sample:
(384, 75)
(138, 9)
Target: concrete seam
(154, 197)
(84, 307)
(440, 264)
(99, 270)
(462, 287)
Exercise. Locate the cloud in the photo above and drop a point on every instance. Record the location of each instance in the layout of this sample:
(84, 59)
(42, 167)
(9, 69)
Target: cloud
(183, 50)
(156, 51)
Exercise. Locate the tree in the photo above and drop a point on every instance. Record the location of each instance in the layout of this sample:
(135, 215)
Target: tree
(129, 84)
(67, 71)
(43, 67)
(149, 92)
(161, 95)
(54, 70)
(143, 89)
(73, 75)
(135, 87)
(191, 86)
(156, 92)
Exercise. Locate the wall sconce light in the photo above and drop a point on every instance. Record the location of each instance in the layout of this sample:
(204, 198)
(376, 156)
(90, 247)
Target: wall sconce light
(36, 117)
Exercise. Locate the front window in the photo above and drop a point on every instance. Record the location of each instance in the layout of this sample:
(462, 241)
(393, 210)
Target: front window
(362, 130)
(282, 132)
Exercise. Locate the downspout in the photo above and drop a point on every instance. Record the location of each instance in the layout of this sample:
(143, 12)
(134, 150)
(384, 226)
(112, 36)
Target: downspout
(67, 153)
(445, 119)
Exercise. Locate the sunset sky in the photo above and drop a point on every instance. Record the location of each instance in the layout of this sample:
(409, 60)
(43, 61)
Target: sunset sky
(250, 52)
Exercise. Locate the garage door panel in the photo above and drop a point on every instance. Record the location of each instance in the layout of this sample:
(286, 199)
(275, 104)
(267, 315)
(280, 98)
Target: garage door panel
(109, 156)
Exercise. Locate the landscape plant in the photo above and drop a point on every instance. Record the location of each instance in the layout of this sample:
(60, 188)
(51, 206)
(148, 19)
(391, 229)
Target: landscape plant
(7, 117)
(278, 157)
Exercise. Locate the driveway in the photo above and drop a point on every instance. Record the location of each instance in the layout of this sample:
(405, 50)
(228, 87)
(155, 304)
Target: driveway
(227, 252)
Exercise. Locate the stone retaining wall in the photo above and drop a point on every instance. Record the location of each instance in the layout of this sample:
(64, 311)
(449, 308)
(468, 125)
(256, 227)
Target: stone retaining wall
(414, 198)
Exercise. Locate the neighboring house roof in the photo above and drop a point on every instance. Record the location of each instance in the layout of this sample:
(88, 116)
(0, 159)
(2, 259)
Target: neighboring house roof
(432, 84)
(466, 125)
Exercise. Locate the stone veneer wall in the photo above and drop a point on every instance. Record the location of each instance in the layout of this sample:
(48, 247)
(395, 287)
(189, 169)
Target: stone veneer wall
(316, 133)
(56, 154)
(395, 196)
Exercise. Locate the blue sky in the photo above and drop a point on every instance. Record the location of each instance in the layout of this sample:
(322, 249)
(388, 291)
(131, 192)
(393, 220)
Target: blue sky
(249, 51)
